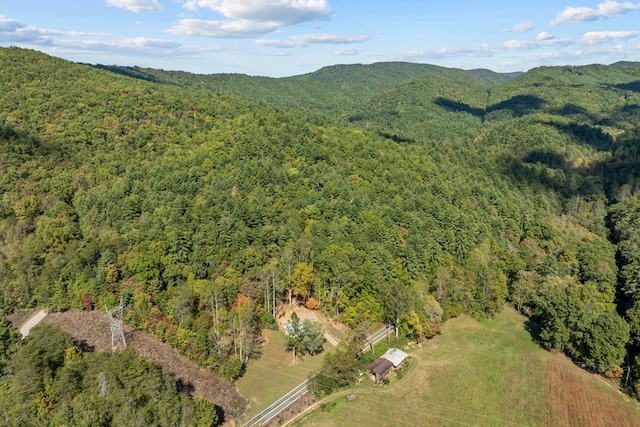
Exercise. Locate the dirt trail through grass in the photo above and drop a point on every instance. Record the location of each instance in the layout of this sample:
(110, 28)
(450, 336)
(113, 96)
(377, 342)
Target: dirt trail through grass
(488, 373)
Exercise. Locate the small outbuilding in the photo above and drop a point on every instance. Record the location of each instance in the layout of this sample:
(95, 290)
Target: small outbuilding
(379, 369)
(385, 364)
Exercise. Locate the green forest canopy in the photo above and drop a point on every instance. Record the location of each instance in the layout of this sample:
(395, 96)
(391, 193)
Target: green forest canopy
(434, 192)
(54, 383)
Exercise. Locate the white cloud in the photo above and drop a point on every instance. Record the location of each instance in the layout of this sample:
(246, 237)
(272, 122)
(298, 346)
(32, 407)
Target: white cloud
(129, 49)
(285, 12)
(597, 37)
(277, 43)
(521, 27)
(447, 52)
(136, 5)
(144, 43)
(348, 51)
(584, 14)
(323, 38)
(542, 40)
(13, 31)
(611, 53)
(307, 39)
(518, 45)
(132, 46)
(222, 29)
(9, 25)
(75, 42)
(249, 18)
(544, 36)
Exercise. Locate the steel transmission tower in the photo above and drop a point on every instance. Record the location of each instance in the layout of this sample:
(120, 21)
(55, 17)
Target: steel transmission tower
(115, 316)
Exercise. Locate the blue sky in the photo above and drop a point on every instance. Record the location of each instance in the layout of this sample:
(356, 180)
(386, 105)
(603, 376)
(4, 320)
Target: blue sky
(289, 37)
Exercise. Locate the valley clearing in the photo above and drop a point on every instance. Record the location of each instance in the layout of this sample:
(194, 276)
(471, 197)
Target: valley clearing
(487, 373)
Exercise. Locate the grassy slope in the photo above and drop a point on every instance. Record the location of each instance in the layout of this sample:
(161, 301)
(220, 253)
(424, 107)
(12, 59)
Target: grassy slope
(273, 373)
(487, 373)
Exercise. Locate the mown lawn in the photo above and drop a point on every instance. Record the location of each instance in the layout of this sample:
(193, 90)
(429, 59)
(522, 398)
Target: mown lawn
(273, 373)
(488, 373)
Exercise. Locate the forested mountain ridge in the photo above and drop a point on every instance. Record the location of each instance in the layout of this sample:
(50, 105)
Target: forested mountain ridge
(327, 89)
(590, 94)
(625, 64)
(438, 195)
(593, 94)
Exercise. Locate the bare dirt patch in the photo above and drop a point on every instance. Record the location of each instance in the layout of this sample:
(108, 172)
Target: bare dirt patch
(576, 398)
(334, 332)
(91, 330)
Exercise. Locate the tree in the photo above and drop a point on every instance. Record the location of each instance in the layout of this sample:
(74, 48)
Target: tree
(597, 265)
(398, 303)
(524, 289)
(432, 313)
(35, 366)
(563, 310)
(293, 330)
(268, 275)
(574, 322)
(337, 265)
(603, 344)
(184, 306)
(287, 263)
(355, 212)
(312, 337)
(54, 383)
(9, 337)
(339, 369)
(38, 359)
(303, 337)
(633, 320)
(205, 414)
(303, 280)
(245, 327)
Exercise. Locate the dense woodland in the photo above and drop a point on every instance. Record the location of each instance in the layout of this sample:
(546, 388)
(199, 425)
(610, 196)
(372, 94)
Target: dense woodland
(55, 383)
(391, 192)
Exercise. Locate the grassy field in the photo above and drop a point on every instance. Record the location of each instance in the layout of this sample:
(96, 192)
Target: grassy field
(274, 373)
(488, 373)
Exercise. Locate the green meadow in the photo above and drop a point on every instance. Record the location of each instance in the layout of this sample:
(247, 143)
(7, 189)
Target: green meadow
(481, 373)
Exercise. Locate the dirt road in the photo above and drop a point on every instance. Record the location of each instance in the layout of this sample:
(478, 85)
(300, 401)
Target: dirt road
(33, 321)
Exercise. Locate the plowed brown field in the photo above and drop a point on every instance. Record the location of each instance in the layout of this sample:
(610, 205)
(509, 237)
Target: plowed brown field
(577, 398)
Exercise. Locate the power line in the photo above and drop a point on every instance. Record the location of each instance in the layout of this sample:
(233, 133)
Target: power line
(115, 316)
(381, 402)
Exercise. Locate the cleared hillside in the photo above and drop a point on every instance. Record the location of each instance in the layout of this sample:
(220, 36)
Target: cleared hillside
(92, 330)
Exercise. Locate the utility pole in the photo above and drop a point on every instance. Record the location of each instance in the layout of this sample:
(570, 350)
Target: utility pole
(115, 316)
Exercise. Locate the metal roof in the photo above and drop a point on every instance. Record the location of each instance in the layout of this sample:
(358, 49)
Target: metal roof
(395, 356)
(380, 366)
